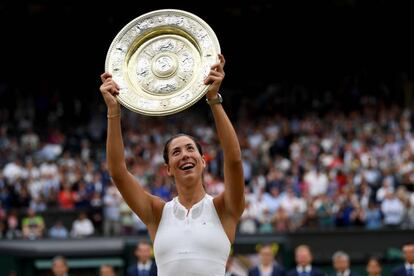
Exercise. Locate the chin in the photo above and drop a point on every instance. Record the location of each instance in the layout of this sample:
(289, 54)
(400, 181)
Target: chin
(189, 175)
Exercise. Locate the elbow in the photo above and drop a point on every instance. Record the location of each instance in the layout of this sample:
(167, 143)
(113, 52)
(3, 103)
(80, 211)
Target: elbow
(238, 212)
(242, 207)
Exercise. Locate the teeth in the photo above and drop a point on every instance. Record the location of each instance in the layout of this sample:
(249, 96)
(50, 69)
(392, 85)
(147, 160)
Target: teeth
(187, 166)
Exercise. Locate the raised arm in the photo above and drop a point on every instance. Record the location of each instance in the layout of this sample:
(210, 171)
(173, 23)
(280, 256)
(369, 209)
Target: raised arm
(231, 202)
(145, 205)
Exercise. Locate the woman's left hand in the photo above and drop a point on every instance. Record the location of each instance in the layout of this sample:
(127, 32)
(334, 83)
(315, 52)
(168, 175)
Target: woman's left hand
(215, 78)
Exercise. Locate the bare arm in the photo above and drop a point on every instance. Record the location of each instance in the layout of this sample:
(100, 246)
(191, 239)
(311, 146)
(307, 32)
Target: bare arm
(232, 199)
(145, 205)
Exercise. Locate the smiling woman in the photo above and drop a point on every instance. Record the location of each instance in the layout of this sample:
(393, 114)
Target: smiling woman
(183, 228)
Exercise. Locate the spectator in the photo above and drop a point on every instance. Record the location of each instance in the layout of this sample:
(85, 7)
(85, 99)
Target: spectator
(60, 266)
(373, 267)
(304, 267)
(393, 210)
(341, 264)
(406, 269)
(66, 197)
(373, 217)
(13, 230)
(248, 221)
(82, 226)
(32, 225)
(106, 270)
(268, 265)
(144, 265)
(229, 265)
(58, 231)
(127, 219)
(112, 201)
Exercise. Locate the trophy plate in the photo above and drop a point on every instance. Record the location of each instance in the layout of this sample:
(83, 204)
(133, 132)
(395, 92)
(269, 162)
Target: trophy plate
(160, 60)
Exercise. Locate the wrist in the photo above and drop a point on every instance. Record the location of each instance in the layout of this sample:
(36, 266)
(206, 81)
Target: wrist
(113, 112)
(216, 100)
(113, 115)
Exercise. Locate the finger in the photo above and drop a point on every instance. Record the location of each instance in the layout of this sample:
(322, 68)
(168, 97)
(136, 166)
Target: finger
(222, 63)
(222, 60)
(211, 79)
(215, 66)
(114, 88)
(113, 83)
(215, 73)
(114, 91)
(109, 88)
(105, 76)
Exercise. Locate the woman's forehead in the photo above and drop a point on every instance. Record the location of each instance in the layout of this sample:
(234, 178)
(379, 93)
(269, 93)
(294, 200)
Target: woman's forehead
(181, 141)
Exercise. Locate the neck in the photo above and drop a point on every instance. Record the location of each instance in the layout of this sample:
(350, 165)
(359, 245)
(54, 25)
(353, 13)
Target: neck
(267, 265)
(143, 262)
(188, 196)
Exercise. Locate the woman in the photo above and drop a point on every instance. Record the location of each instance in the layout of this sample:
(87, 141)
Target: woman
(193, 232)
(374, 267)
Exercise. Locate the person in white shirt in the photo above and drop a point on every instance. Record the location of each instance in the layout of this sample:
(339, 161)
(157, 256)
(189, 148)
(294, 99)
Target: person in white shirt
(183, 229)
(393, 210)
(82, 227)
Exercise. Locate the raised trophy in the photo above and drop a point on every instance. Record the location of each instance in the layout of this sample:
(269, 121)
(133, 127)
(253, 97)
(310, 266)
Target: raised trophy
(160, 60)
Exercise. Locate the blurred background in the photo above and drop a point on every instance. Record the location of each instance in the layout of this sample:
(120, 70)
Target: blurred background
(320, 93)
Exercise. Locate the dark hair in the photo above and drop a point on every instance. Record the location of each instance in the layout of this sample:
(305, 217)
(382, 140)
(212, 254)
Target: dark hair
(408, 243)
(59, 258)
(375, 258)
(167, 145)
(143, 241)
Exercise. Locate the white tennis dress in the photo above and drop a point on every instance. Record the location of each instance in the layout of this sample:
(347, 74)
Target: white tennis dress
(191, 242)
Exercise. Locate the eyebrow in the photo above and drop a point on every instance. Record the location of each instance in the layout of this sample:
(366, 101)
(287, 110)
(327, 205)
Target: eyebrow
(186, 145)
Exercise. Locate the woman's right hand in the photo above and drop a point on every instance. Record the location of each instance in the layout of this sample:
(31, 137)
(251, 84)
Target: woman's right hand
(109, 90)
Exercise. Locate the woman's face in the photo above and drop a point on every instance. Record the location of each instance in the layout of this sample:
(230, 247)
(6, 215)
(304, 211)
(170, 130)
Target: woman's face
(373, 267)
(185, 161)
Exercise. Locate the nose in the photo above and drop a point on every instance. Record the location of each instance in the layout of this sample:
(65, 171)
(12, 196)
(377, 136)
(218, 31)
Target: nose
(185, 154)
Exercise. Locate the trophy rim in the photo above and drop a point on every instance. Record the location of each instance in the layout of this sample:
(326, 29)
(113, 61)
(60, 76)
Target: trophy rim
(127, 92)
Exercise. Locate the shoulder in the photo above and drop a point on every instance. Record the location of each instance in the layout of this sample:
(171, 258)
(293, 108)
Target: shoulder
(131, 269)
(153, 266)
(317, 272)
(291, 272)
(253, 271)
(398, 268)
(278, 269)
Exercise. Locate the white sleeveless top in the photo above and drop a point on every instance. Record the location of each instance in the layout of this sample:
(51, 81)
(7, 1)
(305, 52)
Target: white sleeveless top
(191, 243)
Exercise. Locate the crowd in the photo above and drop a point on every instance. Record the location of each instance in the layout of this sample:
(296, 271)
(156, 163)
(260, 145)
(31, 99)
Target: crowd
(333, 169)
(265, 262)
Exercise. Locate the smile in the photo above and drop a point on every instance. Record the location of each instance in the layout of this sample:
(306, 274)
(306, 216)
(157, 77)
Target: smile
(187, 166)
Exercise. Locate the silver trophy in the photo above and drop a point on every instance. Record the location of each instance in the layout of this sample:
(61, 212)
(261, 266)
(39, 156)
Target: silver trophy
(160, 60)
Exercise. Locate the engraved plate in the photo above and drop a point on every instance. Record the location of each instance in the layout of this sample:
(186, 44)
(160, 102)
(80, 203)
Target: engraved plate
(160, 60)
